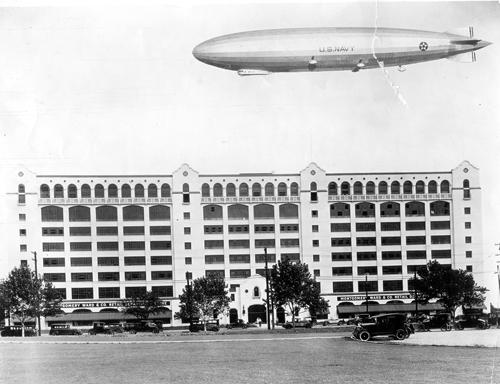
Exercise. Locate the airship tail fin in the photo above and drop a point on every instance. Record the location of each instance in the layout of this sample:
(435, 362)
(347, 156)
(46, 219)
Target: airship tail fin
(463, 31)
(468, 57)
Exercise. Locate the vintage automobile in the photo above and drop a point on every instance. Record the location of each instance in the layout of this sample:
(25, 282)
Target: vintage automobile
(198, 325)
(63, 329)
(17, 330)
(238, 324)
(299, 323)
(332, 321)
(143, 326)
(382, 325)
(107, 329)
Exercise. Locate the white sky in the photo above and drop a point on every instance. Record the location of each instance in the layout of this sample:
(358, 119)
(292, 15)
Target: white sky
(116, 90)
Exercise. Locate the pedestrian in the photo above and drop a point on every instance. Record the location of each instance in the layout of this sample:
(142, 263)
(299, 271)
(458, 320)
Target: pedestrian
(259, 321)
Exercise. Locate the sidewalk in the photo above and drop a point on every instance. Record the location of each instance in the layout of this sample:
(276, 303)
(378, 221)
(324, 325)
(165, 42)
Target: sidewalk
(489, 338)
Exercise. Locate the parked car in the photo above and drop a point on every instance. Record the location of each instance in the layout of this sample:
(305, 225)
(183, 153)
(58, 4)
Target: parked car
(63, 329)
(383, 325)
(332, 321)
(17, 331)
(198, 325)
(107, 329)
(143, 326)
(238, 324)
(299, 323)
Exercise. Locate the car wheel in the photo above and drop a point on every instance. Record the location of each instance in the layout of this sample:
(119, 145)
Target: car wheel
(155, 331)
(132, 331)
(364, 336)
(229, 326)
(288, 326)
(91, 333)
(244, 327)
(75, 333)
(400, 334)
(215, 329)
(341, 322)
(79, 333)
(110, 332)
(308, 326)
(325, 323)
(51, 333)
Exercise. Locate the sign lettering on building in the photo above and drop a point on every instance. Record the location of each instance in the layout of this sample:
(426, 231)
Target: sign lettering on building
(99, 305)
(374, 297)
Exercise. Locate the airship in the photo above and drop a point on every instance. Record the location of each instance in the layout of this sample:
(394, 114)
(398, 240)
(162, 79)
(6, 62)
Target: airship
(334, 49)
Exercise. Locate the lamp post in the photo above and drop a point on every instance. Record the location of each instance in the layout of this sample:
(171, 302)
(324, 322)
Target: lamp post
(366, 291)
(39, 324)
(416, 296)
(267, 292)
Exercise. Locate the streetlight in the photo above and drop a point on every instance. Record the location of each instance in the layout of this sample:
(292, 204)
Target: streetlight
(38, 326)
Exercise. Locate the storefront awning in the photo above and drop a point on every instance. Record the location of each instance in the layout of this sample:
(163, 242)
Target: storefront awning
(104, 316)
(387, 308)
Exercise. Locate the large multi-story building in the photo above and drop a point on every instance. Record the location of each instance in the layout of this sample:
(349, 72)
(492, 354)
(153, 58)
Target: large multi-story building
(363, 235)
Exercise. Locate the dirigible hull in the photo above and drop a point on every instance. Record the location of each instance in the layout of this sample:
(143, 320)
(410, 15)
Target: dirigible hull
(330, 49)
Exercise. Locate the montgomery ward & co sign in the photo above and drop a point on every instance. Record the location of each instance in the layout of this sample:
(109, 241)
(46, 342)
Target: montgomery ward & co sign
(100, 305)
(373, 297)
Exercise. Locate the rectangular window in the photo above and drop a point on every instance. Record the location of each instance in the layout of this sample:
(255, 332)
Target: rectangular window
(343, 286)
(81, 261)
(469, 268)
(134, 245)
(239, 244)
(54, 262)
(214, 244)
(23, 248)
(163, 290)
(415, 226)
(413, 255)
(53, 231)
(412, 269)
(391, 240)
(366, 256)
(341, 242)
(365, 227)
(392, 255)
(53, 247)
(468, 254)
(187, 216)
(441, 254)
(315, 228)
(289, 243)
(440, 225)
(131, 276)
(135, 260)
(159, 230)
(61, 292)
(372, 270)
(134, 291)
(238, 228)
(133, 231)
(187, 245)
(315, 258)
(160, 245)
(21, 199)
(109, 293)
(440, 239)
(107, 246)
(367, 286)
(161, 275)
(214, 259)
(468, 239)
(261, 258)
(22, 217)
(314, 213)
(366, 241)
(315, 243)
(55, 277)
(289, 228)
(239, 273)
(290, 256)
(108, 261)
(161, 260)
(187, 230)
(82, 293)
(264, 243)
(340, 227)
(188, 260)
(80, 247)
(468, 225)
(395, 226)
(264, 228)
(392, 285)
(215, 272)
(213, 229)
(341, 271)
(392, 270)
(108, 276)
(415, 240)
(239, 259)
(76, 277)
(341, 256)
(80, 231)
(466, 193)
(317, 272)
(467, 210)
(107, 231)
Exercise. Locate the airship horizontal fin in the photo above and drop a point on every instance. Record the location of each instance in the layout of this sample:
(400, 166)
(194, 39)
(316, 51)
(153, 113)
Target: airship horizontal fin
(469, 57)
(466, 41)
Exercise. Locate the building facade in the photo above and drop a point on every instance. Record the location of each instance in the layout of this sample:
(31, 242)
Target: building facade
(102, 238)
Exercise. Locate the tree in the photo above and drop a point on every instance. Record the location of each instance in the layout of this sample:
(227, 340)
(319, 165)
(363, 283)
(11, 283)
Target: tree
(205, 299)
(292, 286)
(142, 305)
(26, 295)
(452, 287)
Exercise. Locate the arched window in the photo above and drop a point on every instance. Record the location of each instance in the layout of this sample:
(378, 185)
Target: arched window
(290, 211)
(106, 213)
(263, 211)
(159, 213)
(79, 213)
(408, 187)
(314, 186)
(269, 189)
(44, 191)
(218, 190)
(415, 208)
(466, 184)
(282, 189)
(433, 187)
(205, 190)
(72, 191)
(152, 190)
(340, 210)
(86, 191)
(365, 210)
(445, 186)
(126, 192)
(99, 191)
(294, 189)
(165, 190)
(185, 193)
(112, 191)
(358, 188)
(185, 188)
(20, 188)
(243, 190)
(52, 213)
(332, 189)
(256, 190)
(230, 190)
(133, 213)
(395, 188)
(256, 292)
(237, 211)
(314, 193)
(370, 188)
(58, 191)
(420, 187)
(212, 212)
(389, 209)
(382, 188)
(345, 188)
(139, 190)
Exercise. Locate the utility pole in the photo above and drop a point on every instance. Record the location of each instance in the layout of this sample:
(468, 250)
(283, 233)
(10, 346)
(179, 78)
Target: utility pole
(267, 292)
(39, 324)
(416, 296)
(366, 291)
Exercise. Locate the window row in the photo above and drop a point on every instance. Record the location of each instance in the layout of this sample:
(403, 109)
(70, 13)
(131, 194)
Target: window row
(389, 226)
(81, 213)
(373, 270)
(383, 188)
(259, 258)
(394, 255)
(390, 209)
(389, 240)
(114, 292)
(244, 190)
(107, 246)
(99, 191)
(241, 212)
(107, 231)
(370, 286)
(244, 243)
(107, 261)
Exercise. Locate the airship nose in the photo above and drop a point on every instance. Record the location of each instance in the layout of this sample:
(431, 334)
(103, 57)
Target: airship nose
(201, 52)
